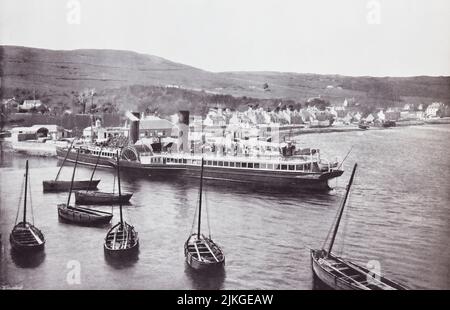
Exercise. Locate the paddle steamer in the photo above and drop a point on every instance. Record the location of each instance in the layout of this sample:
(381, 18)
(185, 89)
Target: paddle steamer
(301, 169)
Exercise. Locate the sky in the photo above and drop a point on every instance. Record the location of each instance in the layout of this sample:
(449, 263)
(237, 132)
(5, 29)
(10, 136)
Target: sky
(348, 37)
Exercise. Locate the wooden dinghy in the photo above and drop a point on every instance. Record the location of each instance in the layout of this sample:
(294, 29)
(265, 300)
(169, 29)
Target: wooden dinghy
(60, 186)
(79, 215)
(89, 197)
(100, 198)
(122, 239)
(25, 237)
(202, 252)
(83, 216)
(342, 274)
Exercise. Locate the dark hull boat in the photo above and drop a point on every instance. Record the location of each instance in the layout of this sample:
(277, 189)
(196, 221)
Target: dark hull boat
(363, 126)
(100, 198)
(342, 274)
(304, 171)
(94, 197)
(121, 240)
(387, 124)
(25, 237)
(83, 216)
(202, 253)
(60, 186)
(279, 176)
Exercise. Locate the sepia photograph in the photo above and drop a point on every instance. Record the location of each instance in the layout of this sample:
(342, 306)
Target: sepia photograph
(224, 145)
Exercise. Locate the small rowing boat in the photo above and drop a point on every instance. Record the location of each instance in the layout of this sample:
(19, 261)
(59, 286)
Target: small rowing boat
(343, 274)
(90, 197)
(60, 186)
(79, 215)
(100, 198)
(122, 239)
(202, 252)
(25, 237)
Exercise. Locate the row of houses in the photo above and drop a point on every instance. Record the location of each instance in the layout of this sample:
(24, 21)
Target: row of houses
(313, 116)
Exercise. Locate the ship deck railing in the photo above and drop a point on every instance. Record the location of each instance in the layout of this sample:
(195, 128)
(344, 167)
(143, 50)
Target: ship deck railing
(242, 158)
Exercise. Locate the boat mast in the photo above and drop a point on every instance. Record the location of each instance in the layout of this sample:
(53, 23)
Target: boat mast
(342, 208)
(200, 202)
(73, 177)
(62, 165)
(25, 200)
(118, 184)
(95, 167)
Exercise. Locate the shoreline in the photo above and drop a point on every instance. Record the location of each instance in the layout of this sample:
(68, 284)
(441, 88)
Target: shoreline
(49, 149)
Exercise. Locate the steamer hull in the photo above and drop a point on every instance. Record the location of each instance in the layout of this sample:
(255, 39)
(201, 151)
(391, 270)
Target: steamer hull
(279, 172)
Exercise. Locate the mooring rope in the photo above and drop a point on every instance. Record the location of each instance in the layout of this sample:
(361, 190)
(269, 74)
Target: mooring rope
(207, 216)
(195, 213)
(114, 191)
(31, 201)
(20, 199)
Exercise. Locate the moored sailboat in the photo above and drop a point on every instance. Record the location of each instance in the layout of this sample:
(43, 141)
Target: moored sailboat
(25, 237)
(90, 197)
(202, 252)
(122, 239)
(80, 215)
(58, 185)
(342, 274)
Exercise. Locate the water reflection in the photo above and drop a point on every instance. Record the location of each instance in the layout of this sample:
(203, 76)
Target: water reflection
(207, 279)
(27, 260)
(319, 285)
(122, 262)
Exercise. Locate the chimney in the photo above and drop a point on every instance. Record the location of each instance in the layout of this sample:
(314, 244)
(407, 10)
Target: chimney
(183, 131)
(134, 126)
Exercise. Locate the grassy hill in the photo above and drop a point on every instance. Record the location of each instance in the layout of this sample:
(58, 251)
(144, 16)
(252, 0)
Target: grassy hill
(132, 80)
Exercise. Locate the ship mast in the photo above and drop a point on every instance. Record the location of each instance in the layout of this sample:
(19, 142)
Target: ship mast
(73, 177)
(200, 202)
(65, 157)
(25, 200)
(118, 184)
(342, 209)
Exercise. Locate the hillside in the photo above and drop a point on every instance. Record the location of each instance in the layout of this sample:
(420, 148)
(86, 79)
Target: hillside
(56, 77)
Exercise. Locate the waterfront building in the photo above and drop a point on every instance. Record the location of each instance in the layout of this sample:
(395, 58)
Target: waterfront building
(38, 132)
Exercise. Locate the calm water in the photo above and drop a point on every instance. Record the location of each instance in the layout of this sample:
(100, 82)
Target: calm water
(398, 214)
